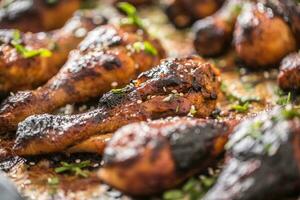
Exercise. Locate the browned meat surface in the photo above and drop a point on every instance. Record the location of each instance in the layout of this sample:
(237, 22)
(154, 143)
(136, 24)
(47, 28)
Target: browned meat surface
(213, 34)
(36, 15)
(94, 144)
(175, 87)
(289, 76)
(17, 71)
(261, 37)
(182, 13)
(146, 158)
(263, 159)
(290, 11)
(107, 55)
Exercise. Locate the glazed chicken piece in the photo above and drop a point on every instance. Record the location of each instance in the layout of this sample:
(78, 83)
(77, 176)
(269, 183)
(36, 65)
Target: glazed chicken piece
(290, 11)
(36, 15)
(213, 34)
(289, 76)
(94, 144)
(261, 37)
(108, 55)
(182, 13)
(263, 159)
(175, 87)
(22, 71)
(147, 158)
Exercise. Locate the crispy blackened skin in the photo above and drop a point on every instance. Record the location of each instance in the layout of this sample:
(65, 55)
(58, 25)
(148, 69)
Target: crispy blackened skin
(289, 75)
(36, 15)
(18, 72)
(147, 158)
(262, 164)
(149, 97)
(213, 34)
(105, 56)
(261, 37)
(182, 13)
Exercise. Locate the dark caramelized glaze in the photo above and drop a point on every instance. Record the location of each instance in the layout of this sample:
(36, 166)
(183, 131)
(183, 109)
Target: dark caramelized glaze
(172, 88)
(261, 37)
(36, 15)
(146, 158)
(263, 160)
(18, 72)
(105, 56)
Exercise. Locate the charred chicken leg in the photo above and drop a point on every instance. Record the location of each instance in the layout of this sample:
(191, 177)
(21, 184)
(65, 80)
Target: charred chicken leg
(214, 33)
(36, 15)
(175, 87)
(263, 159)
(108, 54)
(162, 152)
(23, 71)
(262, 38)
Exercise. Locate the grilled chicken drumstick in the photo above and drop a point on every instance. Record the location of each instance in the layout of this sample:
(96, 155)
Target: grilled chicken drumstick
(175, 87)
(182, 13)
(22, 71)
(263, 159)
(162, 152)
(289, 76)
(36, 15)
(262, 38)
(108, 54)
(214, 33)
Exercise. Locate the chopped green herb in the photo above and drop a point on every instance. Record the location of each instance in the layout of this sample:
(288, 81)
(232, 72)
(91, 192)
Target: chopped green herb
(241, 108)
(74, 167)
(131, 12)
(53, 181)
(284, 99)
(177, 109)
(149, 48)
(193, 189)
(117, 91)
(27, 53)
(51, 1)
(173, 195)
(291, 113)
(192, 111)
(145, 46)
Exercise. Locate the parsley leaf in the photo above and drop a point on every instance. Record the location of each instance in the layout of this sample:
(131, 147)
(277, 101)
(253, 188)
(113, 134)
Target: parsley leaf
(284, 99)
(74, 168)
(131, 12)
(241, 108)
(145, 46)
(28, 53)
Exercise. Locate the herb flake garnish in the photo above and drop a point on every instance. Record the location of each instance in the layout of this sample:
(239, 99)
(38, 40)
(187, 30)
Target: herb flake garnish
(284, 99)
(28, 53)
(131, 12)
(117, 91)
(241, 107)
(192, 111)
(193, 189)
(145, 46)
(75, 168)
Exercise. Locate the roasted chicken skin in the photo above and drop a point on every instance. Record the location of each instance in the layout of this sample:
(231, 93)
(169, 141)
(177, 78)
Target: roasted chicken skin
(261, 37)
(214, 33)
(147, 158)
(36, 15)
(289, 75)
(182, 13)
(290, 11)
(175, 87)
(108, 54)
(20, 72)
(263, 159)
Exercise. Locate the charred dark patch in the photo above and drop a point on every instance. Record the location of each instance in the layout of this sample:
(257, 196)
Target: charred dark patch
(193, 144)
(111, 62)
